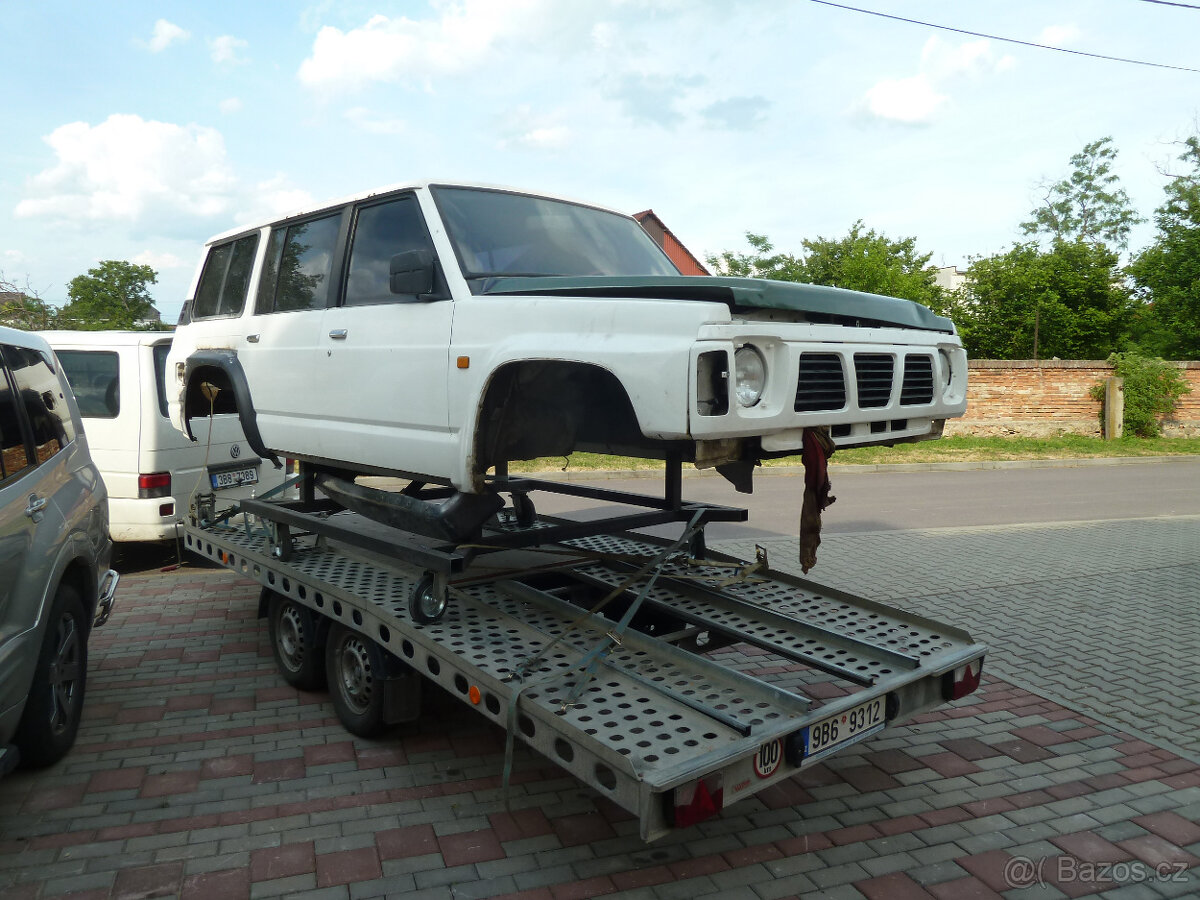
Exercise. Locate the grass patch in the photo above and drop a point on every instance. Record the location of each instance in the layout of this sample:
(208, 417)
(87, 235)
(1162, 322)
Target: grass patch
(960, 448)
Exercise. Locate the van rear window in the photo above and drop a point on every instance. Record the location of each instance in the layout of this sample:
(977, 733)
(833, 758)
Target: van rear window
(95, 378)
(160, 375)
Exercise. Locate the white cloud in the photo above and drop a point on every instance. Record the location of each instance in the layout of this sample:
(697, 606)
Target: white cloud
(224, 50)
(127, 169)
(373, 123)
(522, 127)
(909, 100)
(160, 261)
(230, 105)
(271, 198)
(1058, 35)
(13, 257)
(919, 99)
(165, 34)
(394, 49)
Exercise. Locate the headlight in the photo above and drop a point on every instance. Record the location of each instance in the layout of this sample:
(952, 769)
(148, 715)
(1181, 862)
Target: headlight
(750, 375)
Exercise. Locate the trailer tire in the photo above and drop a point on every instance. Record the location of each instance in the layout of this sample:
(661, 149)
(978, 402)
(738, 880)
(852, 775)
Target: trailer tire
(357, 669)
(295, 632)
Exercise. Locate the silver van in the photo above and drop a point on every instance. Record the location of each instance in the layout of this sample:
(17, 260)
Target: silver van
(55, 583)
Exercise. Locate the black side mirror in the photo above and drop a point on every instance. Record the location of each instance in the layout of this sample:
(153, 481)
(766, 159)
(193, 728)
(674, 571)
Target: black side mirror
(411, 272)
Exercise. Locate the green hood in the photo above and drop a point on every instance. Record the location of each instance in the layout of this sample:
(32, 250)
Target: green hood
(821, 303)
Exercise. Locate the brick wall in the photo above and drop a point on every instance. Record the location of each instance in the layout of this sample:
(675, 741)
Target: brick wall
(1051, 396)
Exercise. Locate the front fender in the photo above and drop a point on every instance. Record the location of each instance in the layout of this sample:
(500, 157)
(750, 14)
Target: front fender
(226, 362)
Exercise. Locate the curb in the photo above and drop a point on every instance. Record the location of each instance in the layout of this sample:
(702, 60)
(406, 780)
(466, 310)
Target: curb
(845, 469)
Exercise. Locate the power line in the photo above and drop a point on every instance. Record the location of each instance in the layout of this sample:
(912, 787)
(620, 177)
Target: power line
(1173, 3)
(993, 37)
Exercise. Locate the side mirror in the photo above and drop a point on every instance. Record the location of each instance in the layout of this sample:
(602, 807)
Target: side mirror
(411, 272)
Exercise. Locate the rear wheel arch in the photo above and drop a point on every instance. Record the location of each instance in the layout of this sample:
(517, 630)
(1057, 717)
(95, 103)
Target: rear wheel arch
(215, 384)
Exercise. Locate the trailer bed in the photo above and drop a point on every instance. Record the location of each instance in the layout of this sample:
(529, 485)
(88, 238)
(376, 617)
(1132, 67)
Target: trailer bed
(638, 698)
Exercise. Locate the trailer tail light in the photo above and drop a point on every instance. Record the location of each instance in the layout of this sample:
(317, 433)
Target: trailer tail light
(963, 680)
(155, 485)
(697, 801)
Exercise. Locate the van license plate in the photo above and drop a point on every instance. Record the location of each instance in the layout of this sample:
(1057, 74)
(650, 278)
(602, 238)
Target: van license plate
(233, 478)
(845, 726)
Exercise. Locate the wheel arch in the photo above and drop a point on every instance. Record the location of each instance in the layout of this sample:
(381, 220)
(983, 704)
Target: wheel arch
(223, 371)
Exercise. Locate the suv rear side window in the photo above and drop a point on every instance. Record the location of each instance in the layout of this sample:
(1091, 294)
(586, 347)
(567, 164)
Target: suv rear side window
(42, 396)
(226, 277)
(95, 377)
(14, 458)
(296, 273)
(380, 232)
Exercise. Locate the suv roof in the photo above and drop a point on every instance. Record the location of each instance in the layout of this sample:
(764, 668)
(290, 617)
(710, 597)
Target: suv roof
(107, 338)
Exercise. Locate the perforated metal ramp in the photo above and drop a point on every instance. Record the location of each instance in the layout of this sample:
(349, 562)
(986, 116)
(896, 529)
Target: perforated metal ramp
(651, 716)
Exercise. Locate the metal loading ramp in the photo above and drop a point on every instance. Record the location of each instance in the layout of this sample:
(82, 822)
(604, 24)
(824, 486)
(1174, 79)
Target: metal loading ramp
(643, 716)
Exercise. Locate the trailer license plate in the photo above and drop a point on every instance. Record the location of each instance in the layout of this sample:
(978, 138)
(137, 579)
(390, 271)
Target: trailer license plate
(845, 726)
(233, 478)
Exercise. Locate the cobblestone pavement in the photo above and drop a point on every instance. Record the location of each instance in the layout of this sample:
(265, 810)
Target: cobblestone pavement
(199, 774)
(1104, 616)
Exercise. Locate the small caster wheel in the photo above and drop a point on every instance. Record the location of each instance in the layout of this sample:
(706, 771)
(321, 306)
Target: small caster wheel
(429, 599)
(524, 509)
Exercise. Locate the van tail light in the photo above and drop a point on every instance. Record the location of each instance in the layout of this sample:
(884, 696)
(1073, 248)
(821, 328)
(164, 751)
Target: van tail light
(963, 680)
(156, 485)
(697, 801)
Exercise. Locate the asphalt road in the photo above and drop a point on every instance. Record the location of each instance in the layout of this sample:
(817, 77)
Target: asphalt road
(939, 497)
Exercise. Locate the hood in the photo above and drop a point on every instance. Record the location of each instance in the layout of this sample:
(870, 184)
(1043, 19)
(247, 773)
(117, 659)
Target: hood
(819, 302)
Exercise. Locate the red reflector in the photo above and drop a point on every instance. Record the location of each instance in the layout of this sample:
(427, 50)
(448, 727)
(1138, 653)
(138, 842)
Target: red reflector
(964, 680)
(166, 509)
(698, 801)
(157, 484)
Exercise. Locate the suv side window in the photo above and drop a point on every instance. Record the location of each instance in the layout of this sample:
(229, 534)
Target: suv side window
(296, 273)
(380, 232)
(41, 395)
(14, 458)
(226, 276)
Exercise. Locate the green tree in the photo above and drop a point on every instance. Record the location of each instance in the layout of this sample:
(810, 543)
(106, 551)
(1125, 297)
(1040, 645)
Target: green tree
(1088, 205)
(863, 260)
(1029, 303)
(1167, 273)
(114, 294)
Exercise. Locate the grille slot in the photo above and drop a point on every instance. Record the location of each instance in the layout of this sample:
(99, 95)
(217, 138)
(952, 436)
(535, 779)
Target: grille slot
(873, 374)
(918, 380)
(822, 384)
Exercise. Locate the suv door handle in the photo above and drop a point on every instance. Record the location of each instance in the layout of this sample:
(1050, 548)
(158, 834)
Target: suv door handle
(35, 507)
(252, 338)
(338, 334)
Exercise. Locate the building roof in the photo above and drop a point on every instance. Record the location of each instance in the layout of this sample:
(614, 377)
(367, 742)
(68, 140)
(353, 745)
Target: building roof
(683, 258)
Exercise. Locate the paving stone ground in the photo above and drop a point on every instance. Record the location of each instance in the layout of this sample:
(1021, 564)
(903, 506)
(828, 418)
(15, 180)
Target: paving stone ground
(1072, 772)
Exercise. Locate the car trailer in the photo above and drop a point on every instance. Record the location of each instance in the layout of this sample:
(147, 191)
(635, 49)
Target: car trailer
(595, 645)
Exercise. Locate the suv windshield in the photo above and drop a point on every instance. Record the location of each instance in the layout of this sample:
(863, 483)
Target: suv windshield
(501, 234)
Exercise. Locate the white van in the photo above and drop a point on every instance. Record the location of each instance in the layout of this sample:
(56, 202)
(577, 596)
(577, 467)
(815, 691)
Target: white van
(151, 470)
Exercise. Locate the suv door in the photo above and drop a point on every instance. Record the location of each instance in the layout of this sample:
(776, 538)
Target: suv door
(384, 357)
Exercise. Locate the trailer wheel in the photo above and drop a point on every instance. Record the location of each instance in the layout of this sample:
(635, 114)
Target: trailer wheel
(296, 642)
(428, 600)
(356, 669)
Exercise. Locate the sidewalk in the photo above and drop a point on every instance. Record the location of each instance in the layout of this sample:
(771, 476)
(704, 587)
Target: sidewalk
(1074, 769)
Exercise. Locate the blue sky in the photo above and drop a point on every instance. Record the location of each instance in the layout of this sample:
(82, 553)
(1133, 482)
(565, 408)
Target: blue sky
(138, 130)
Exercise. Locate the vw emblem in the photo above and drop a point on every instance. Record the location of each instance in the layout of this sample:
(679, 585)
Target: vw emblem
(235, 451)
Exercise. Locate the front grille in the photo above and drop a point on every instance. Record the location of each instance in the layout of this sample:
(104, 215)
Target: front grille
(821, 385)
(918, 380)
(873, 375)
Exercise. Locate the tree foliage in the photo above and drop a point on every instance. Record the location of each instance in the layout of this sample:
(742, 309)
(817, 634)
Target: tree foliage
(1167, 273)
(23, 308)
(1152, 389)
(1029, 303)
(113, 294)
(1088, 205)
(863, 260)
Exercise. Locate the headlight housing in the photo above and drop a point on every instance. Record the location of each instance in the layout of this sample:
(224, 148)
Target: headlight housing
(750, 375)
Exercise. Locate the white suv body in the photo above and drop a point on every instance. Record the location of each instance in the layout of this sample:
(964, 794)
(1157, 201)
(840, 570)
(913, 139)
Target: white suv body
(436, 331)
